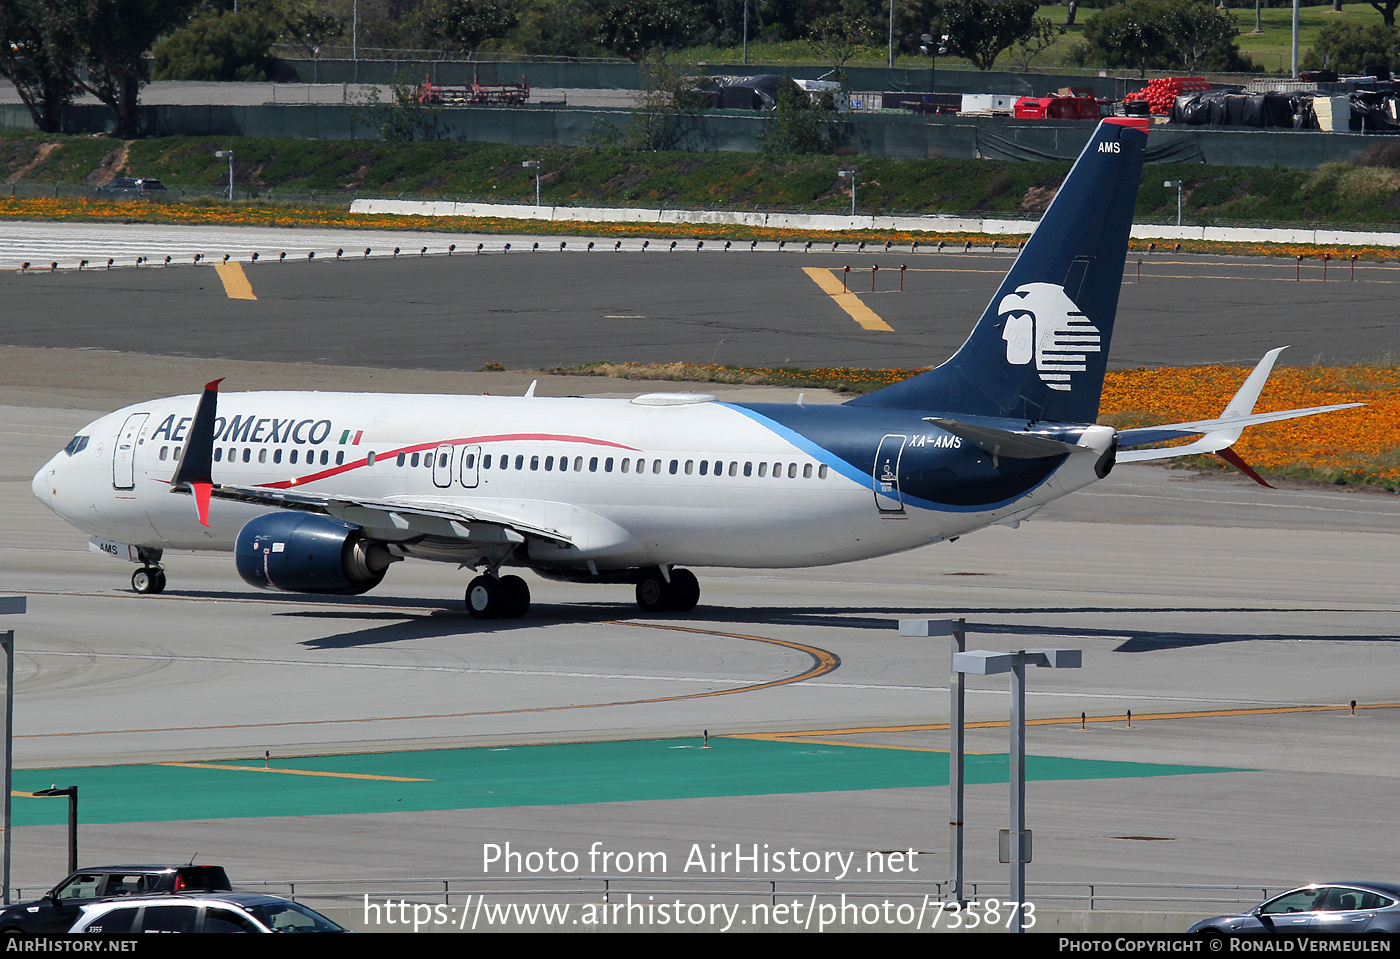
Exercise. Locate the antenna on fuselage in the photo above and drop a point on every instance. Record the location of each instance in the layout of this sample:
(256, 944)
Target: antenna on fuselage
(531, 390)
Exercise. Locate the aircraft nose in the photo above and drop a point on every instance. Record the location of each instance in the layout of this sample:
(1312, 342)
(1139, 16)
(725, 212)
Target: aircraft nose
(43, 484)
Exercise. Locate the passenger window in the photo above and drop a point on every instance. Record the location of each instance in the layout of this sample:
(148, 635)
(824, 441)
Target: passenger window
(293, 458)
(792, 471)
(689, 467)
(593, 464)
(625, 464)
(340, 458)
(414, 461)
(674, 465)
(807, 471)
(548, 463)
(169, 918)
(398, 461)
(118, 920)
(578, 464)
(163, 451)
(719, 467)
(704, 467)
(277, 455)
(563, 464)
(534, 462)
(748, 469)
(486, 462)
(325, 456)
(821, 472)
(608, 465)
(177, 452)
(520, 462)
(262, 455)
(226, 920)
(762, 469)
(656, 467)
(471, 461)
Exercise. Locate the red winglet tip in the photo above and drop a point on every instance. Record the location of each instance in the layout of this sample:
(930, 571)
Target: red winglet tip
(1230, 456)
(214, 384)
(202, 492)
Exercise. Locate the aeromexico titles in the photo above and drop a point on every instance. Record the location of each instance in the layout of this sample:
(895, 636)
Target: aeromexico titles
(323, 492)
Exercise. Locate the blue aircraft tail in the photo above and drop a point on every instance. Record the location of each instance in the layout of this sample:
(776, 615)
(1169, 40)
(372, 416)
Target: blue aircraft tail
(1040, 350)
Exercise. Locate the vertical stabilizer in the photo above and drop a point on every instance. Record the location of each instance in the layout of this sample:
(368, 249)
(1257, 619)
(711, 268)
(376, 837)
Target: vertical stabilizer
(1040, 350)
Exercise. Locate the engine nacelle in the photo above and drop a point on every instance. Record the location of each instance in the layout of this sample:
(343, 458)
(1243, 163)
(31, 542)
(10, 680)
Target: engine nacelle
(309, 553)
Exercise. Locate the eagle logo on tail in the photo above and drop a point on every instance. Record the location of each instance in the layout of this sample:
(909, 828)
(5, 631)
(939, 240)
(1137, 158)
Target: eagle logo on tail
(1041, 323)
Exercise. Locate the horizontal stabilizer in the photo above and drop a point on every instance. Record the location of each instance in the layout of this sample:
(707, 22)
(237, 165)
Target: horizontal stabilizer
(1017, 446)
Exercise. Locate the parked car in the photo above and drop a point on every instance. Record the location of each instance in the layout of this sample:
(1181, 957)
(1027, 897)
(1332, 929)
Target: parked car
(1358, 907)
(228, 912)
(60, 907)
(132, 188)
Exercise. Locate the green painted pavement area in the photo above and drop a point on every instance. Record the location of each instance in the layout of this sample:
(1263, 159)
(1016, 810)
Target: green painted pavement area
(569, 774)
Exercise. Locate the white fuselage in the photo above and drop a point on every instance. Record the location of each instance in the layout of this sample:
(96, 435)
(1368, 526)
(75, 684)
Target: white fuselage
(627, 483)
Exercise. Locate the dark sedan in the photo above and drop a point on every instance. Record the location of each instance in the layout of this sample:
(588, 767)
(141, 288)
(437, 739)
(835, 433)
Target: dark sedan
(1356, 907)
(132, 188)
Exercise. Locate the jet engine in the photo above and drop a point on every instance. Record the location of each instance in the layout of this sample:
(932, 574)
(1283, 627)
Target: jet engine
(309, 553)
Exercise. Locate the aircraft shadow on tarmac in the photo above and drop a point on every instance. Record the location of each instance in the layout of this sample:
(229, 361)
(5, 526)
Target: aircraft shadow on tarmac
(427, 619)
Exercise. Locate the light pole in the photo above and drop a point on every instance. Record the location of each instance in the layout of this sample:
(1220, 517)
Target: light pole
(1016, 841)
(535, 165)
(13, 605)
(852, 175)
(934, 51)
(72, 793)
(228, 155)
(746, 32)
(1180, 185)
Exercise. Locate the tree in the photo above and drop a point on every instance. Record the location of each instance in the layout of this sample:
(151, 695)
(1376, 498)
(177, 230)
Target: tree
(665, 105)
(1033, 44)
(310, 25)
(796, 125)
(38, 60)
(1131, 35)
(469, 23)
(837, 36)
(114, 36)
(1386, 8)
(979, 30)
(222, 46)
(638, 28)
(1194, 29)
(1354, 48)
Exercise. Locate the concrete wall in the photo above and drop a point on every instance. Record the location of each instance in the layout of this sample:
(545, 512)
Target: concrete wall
(830, 223)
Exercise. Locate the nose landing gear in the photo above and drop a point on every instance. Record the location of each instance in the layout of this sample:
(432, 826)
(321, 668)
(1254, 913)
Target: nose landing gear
(148, 579)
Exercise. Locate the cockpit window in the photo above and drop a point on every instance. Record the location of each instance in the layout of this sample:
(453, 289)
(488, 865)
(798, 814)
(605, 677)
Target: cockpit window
(76, 445)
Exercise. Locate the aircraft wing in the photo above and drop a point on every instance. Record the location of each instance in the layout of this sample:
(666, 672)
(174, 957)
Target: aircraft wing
(1218, 435)
(407, 514)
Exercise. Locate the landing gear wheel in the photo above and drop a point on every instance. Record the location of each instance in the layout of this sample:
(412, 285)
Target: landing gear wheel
(148, 579)
(516, 593)
(654, 593)
(685, 591)
(485, 597)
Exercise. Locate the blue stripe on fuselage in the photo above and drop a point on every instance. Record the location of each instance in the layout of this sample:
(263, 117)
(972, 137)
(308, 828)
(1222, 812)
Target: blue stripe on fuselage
(958, 480)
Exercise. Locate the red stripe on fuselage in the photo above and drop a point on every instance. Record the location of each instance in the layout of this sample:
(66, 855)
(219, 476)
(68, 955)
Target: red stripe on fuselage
(465, 441)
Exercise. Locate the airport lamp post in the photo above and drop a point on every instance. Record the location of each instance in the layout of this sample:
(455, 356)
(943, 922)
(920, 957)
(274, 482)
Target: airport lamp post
(1179, 184)
(535, 165)
(1016, 843)
(72, 793)
(957, 629)
(934, 51)
(227, 155)
(852, 175)
(13, 605)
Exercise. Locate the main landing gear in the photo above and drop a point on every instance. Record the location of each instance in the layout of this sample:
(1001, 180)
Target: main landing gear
(492, 597)
(656, 595)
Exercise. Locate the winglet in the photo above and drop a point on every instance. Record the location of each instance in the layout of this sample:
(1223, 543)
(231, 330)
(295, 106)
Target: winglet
(197, 460)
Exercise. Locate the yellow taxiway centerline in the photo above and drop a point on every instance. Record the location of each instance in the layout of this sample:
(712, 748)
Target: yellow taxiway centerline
(236, 283)
(297, 772)
(848, 301)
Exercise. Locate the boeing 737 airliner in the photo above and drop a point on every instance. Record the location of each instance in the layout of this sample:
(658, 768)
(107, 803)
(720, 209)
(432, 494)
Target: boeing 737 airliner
(322, 492)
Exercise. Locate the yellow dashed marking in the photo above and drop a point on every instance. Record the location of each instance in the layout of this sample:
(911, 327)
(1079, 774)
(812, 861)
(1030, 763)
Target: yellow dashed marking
(297, 772)
(848, 301)
(236, 283)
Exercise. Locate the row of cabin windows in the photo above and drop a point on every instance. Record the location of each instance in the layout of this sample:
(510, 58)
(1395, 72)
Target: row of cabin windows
(562, 463)
(639, 465)
(276, 456)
